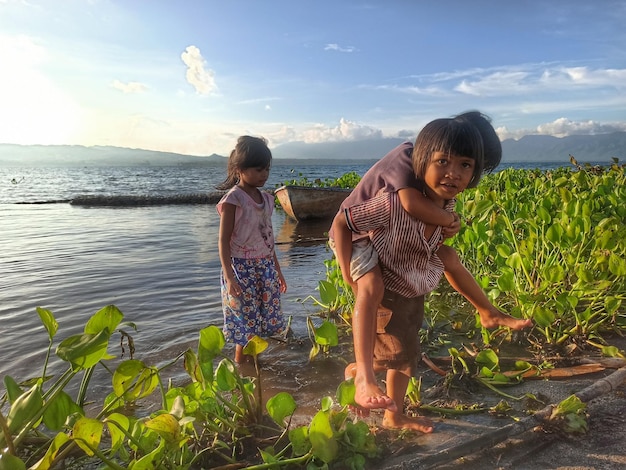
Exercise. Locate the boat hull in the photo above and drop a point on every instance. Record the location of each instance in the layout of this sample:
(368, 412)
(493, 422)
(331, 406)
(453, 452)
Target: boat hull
(307, 202)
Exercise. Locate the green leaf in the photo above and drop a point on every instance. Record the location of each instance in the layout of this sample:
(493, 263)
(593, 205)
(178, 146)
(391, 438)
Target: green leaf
(48, 459)
(11, 462)
(488, 358)
(59, 408)
(84, 351)
(210, 345)
(108, 317)
(543, 317)
(255, 346)
(323, 442)
(326, 334)
(328, 292)
(299, 438)
(87, 433)
(166, 426)
(117, 423)
(346, 392)
(280, 406)
(133, 380)
(24, 408)
(48, 320)
(225, 376)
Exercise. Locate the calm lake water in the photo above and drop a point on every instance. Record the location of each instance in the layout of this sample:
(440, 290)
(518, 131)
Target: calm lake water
(158, 264)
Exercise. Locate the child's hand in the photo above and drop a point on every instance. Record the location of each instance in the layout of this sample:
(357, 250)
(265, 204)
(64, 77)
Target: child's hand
(234, 289)
(452, 229)
(282, 283)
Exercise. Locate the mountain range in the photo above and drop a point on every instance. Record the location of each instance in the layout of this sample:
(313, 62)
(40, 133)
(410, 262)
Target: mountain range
(531, 148)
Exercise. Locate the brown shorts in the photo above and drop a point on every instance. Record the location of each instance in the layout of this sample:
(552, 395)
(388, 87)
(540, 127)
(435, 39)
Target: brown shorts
(397, 332)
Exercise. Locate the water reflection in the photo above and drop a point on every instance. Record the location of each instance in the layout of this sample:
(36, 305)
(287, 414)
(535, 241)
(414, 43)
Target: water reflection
(305, 233)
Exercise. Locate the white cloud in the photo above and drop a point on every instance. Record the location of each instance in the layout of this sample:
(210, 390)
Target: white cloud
(203, 80)
(129, 87)
(346, 130)
(537, 79)
(338, 48)
(563, 127)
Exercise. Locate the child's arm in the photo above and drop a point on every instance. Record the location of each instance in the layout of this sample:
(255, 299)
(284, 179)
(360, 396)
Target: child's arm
(343, 246)
(227, 225)
(422, 208)
(281, 278)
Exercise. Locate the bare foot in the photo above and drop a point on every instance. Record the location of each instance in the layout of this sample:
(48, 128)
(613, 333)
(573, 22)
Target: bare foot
(368, 396)
(494, 318)
(402, 421)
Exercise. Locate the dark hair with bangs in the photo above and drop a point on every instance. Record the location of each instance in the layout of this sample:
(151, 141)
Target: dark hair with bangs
(250, 152)
(456, 137)
(491, 142)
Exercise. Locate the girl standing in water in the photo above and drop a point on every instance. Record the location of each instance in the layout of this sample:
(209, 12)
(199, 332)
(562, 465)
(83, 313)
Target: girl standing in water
(251, 279)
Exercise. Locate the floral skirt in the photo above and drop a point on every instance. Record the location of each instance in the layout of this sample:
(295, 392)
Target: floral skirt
(257, 311)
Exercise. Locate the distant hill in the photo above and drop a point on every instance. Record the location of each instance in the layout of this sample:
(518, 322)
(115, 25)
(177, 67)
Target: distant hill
(531, 148)
(545, 148)
(78, 155)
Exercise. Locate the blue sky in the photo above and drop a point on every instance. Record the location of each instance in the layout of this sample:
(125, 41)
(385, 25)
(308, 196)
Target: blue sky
(189, 76)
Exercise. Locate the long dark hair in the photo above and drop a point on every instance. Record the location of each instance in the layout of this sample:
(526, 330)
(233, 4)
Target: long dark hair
(250, 152)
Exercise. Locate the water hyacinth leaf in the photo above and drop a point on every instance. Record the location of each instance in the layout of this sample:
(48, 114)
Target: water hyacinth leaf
(59, 408)
(117, 423)
(328, 292)
(268, 457)
(255, 346)
(323, 443)
(87, 433)
(346, 392)
(148, 461)
(280, 406)
(612, 304)
(48, 320)
(108, 317)
(24, 408)
(506, 281)
(210, 345)
(543, 317)
(327, 404)
(299, 439)
(554, 273)
(166, 426)
(84, 351)
(48, 459)
(488, 358)
(11, 462)
(133, 380)
(192, 366)
(12, 387)
(225, 376)
(555, 234)
(503, 250)
(617, 265)
(326, 334)
(514, 261)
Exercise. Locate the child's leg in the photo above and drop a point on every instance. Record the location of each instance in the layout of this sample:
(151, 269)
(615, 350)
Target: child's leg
(369, 294)
(397, 383)
(464, 283)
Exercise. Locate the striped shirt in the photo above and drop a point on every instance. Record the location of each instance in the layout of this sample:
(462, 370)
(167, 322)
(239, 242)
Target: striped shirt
(409, 262)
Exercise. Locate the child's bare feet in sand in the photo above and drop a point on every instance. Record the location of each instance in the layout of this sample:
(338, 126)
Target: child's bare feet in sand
(494, 318)
(368, 396)
(402, 421)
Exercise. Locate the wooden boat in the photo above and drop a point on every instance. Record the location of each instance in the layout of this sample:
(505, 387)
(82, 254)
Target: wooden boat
(307, 202)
